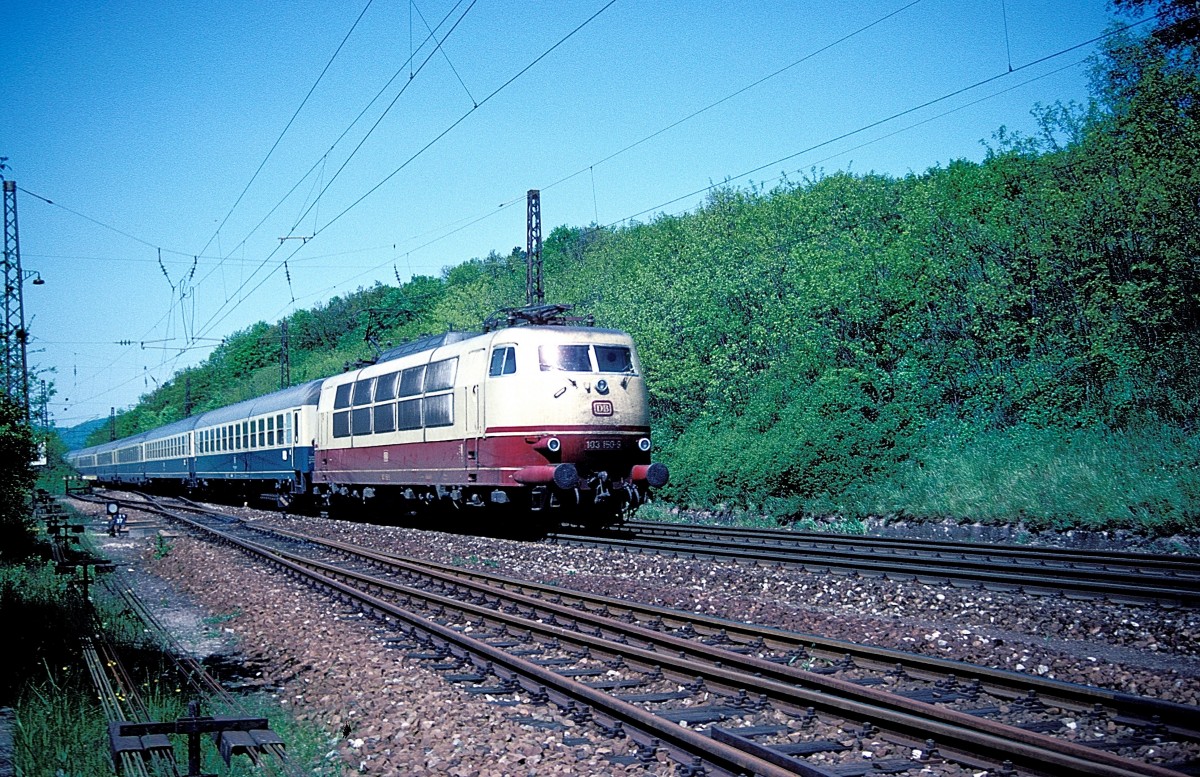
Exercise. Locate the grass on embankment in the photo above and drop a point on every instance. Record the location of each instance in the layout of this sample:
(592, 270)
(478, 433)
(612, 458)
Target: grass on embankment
(1145, 480)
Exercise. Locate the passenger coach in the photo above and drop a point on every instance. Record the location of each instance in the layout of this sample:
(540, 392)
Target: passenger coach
(262, 446)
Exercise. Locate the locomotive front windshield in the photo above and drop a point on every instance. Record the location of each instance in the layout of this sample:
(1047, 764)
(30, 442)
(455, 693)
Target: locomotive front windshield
(585, 358)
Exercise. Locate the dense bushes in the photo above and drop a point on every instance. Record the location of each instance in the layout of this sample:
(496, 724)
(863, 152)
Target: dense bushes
(17, 476)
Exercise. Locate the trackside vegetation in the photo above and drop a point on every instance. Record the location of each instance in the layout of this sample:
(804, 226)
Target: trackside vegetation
(1016, 339)
(59, 725)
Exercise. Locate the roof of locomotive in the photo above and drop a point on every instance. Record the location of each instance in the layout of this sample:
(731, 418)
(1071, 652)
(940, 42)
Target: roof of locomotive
(424, 344)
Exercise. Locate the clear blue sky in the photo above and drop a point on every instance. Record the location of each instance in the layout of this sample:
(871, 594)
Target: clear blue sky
(151, 118)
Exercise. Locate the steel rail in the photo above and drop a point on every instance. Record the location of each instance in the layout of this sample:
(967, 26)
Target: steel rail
(960, 731)
(1181, 719)
(1118, 586)
(1167, 563)
(725, 757)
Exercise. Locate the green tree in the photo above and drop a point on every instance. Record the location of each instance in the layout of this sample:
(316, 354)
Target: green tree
(17, 476)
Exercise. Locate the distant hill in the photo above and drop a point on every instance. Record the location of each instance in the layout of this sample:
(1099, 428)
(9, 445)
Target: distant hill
(76, 436)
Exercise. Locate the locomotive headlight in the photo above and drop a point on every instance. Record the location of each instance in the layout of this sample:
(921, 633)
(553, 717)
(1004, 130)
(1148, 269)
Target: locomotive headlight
(602, 386)
(644, 444)
(554, 445)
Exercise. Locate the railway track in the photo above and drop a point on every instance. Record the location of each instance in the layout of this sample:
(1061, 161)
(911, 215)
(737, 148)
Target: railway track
(1119, 577)
(121, 697)
(739, 699)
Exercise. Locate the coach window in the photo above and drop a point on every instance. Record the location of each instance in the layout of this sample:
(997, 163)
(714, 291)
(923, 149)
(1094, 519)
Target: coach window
(385, 417)
(342, 397)
(504, 361)
(341, 424)
(279, 429)
(270, 431)
(385, 387)
(439, 410)
(362, 392)
(408, 414)
(411, 380)
(440, 375)
(262, 433)
(360, 421)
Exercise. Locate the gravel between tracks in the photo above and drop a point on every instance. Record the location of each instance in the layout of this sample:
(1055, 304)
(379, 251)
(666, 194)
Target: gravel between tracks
(390, 715)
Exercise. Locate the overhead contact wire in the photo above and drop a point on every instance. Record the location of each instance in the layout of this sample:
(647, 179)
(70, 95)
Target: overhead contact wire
(426, 147)
(288, 126)
(335, 176)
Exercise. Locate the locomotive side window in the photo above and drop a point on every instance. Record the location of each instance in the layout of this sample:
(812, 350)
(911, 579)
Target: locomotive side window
(342, 398)
(362, 391)
(385, 387)
(341, 424)
(385, 418)
(504, 361)
(613, 358)
(568, 358)
(408, 414)
(360, 421)
(439, 410)
(411, 380)
(440, 375)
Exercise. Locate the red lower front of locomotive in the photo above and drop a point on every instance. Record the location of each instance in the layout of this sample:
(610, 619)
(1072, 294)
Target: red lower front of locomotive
(607, 468)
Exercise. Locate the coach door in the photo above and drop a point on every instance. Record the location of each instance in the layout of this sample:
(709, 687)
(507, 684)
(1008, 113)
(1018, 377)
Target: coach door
(472, 370)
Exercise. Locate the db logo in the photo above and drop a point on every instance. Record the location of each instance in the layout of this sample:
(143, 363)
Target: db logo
(602, 407)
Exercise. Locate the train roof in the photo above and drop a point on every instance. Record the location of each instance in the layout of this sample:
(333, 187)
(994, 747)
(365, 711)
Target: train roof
(424, 344)
(294, 396)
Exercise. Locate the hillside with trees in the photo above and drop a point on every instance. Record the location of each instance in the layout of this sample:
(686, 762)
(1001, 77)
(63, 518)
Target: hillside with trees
(1014, 339)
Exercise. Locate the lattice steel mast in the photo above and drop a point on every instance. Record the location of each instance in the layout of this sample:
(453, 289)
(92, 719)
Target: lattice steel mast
(16, 367)
(534, 294)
